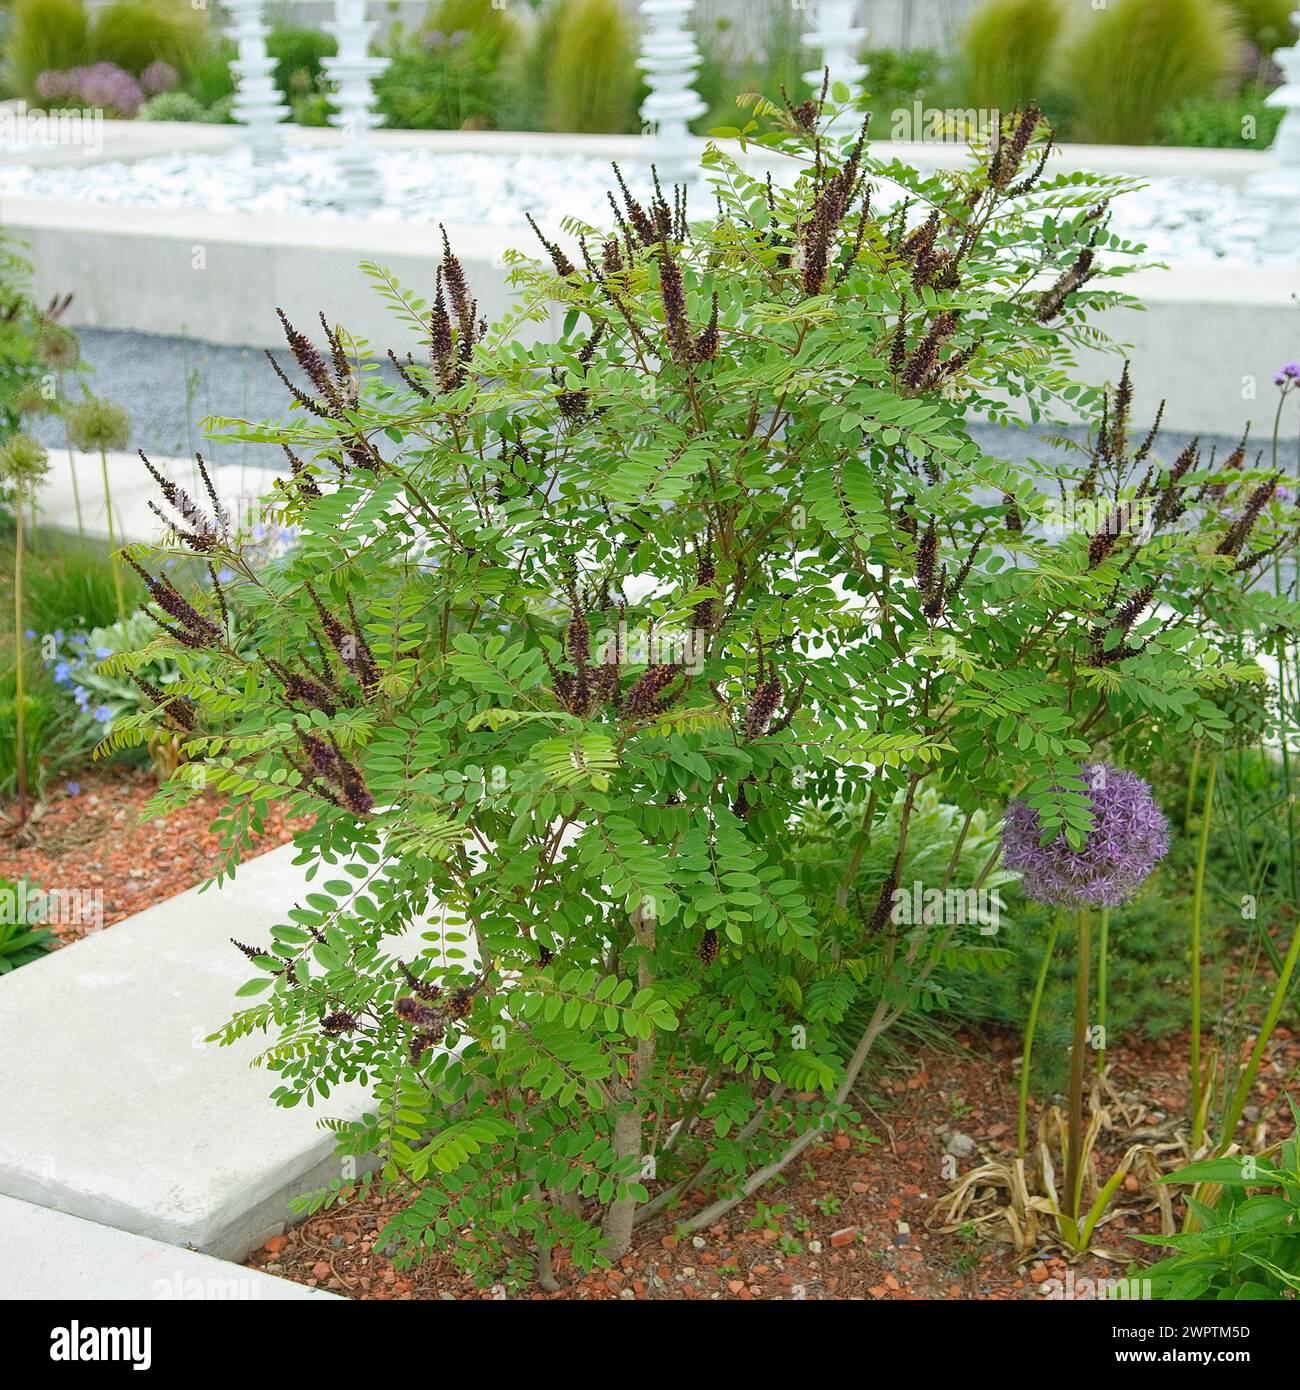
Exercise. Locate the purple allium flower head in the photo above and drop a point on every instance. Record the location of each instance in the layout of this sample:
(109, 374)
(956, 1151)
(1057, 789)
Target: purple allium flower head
(159, 77)
(51, 85)
(1129, 837)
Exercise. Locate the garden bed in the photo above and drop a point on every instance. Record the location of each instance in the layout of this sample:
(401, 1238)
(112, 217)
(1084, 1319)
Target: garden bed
(851, 1221)
(91, 839)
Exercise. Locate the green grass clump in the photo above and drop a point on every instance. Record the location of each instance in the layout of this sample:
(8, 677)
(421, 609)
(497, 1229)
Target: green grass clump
(1239, 122)
(135, 33)
(1134, 61)
(1006, 51)
(592, 81)
(1264, 23)
(44, 35)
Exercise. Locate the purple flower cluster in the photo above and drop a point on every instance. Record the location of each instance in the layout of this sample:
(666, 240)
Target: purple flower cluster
(159, 77)
(1129, 837)
(1289, 376)
(102, 85)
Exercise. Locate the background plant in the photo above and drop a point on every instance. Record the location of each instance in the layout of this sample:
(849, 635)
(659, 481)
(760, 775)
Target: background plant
(591, 80)
(1006, 51)
(1136, 59)
(1246, 1244)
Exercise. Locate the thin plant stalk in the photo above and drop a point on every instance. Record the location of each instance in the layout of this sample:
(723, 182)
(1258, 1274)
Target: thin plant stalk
(19, 722)
(1031, 1028)
(72, 464)
(1191, 787)
(1074, 1152)
(112, 544)
(1103, 953)
(1198, 904)
(1242, 1093)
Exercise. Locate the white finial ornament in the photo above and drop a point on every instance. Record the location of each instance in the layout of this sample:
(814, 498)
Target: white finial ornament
(840, 43)
(669, 59)
(258, 106)
(1281, 185)
(353, 71)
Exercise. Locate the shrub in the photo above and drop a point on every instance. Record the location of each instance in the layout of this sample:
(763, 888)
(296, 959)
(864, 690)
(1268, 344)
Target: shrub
(101, 86)
(1005, 52)
(20, 323)
(571, 675)
(44, 36)
(1244, 1241)
(172, 106)
(1222, 123)
(135, 33)
(437, 82)
(591, 76)
(298, 54)
(1264, 23)
(210, 79)
(492, 28)
(1138, 59)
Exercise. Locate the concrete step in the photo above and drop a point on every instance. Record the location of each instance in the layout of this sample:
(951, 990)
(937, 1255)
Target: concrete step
(112, 1106)
(47, 1254)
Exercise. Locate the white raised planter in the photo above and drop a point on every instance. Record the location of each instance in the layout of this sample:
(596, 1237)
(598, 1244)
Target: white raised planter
(1212, 335)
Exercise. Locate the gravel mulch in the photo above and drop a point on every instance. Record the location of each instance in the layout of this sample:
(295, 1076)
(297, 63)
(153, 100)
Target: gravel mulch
(90, 841)
(850, 1220)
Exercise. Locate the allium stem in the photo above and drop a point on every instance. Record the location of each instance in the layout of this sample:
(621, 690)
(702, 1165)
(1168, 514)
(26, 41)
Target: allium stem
(72, 463)
(1198, 903)
(1074, 1150)
(112, 546)
(1103, 953)
(1191, 787)
(1031, 1028)
(20, 750)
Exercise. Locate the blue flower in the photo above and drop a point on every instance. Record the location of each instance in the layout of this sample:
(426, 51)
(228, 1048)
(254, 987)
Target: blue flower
(62, 673)
(81, 696)
(101, 653)
(74, 788)
(103, 714)
(30, 634)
